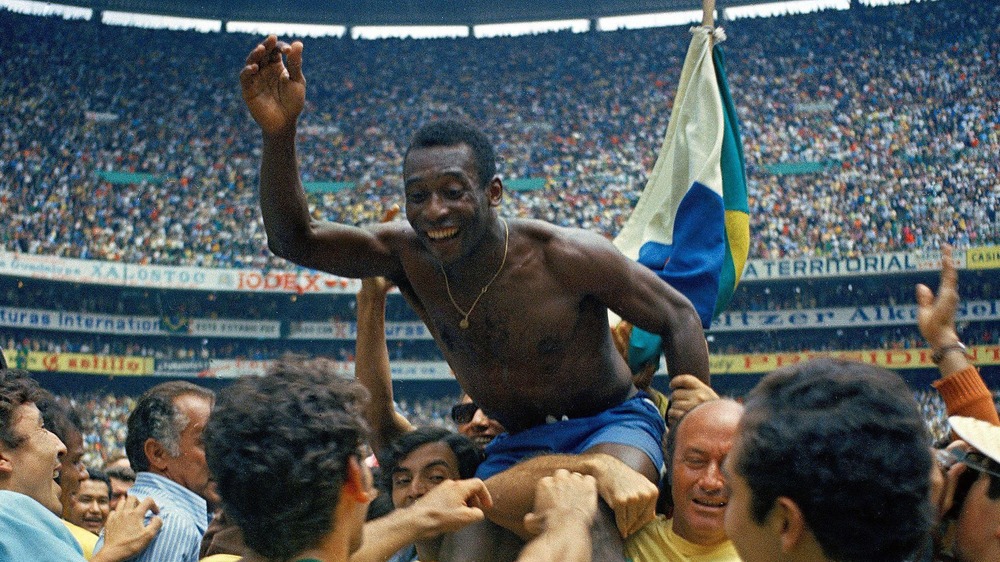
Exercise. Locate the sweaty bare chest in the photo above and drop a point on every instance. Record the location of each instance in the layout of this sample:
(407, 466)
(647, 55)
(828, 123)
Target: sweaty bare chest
(508, 330)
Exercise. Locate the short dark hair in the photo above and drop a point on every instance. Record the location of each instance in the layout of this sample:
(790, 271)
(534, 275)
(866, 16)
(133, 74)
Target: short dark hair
(16, 388)
(59, 417)
(466, 452)
(846, 442)
(279, 446)
(452, 132)
(156, 417)
(123, 473)
(98, 475)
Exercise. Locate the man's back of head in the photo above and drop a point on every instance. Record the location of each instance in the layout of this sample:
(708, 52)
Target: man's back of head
(286, 451)
(839, 452)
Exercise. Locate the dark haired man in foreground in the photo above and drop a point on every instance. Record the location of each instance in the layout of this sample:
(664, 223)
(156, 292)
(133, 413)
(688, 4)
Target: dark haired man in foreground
(298, 432)
(831, 462)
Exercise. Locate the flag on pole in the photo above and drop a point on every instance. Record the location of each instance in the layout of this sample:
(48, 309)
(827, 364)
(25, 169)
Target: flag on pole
(691, 225)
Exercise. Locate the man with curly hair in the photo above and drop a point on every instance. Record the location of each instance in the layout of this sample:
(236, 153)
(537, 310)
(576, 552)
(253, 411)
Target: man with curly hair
(287, 452)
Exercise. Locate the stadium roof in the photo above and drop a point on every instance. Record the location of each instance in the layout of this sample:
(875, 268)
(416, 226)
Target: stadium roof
(396, 12)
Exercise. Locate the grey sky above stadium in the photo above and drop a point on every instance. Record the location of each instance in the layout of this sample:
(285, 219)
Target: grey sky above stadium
(397, 12)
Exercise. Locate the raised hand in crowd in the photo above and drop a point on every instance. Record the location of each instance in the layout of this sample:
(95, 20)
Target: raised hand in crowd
(936, 315)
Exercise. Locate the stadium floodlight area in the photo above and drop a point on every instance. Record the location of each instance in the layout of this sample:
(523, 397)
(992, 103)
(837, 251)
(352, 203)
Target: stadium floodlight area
(151, 21)
(793, 7)
(409, 31)
(529, 28)
(889, 2)
(610, 23)
(286, 29)
(643, 21)
(47, 9)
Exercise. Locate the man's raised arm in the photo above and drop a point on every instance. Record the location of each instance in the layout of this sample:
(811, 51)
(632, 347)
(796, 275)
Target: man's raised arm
(274, 89)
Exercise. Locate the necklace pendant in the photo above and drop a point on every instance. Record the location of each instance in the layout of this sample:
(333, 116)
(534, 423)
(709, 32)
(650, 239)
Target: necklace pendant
(463, 323)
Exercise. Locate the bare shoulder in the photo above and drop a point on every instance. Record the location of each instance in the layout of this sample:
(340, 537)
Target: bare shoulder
(574, 255)
(560, 241)
(392, 232)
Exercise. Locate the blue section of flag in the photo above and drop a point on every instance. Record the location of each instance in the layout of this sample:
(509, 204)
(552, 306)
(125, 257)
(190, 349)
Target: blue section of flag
(693, 263)
(691, 225)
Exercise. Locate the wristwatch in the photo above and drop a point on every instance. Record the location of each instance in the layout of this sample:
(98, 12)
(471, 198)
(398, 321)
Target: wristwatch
(940, 352)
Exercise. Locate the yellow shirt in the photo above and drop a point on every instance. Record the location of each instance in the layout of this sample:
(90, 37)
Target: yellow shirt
(222, 558)
(657, 542)
(86, 539)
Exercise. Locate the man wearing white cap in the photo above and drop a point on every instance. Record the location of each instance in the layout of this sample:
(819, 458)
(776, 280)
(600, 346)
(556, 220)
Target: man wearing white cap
(974, 498)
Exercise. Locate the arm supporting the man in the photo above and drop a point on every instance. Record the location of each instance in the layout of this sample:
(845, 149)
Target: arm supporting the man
(448, 507)
(371, 366)
(565, 507)
(631, 494)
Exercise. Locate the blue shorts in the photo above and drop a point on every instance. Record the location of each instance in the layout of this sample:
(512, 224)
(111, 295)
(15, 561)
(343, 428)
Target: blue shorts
(635, 422)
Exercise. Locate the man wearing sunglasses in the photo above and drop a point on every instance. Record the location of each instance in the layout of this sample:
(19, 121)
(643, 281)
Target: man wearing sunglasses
(972, 496)
(473, 423)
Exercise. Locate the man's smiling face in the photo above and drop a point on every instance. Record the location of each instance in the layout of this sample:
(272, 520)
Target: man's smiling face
(32, 467)
(698, 488)
(445, 204)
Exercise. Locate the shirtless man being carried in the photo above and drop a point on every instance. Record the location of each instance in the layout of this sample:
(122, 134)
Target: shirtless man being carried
(518, 307)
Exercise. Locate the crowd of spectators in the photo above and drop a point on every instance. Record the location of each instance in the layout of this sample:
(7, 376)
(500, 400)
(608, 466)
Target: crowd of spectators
(753, 296)
(193, 348)
(190, 348)
(105, 415)
(105, 419)
(893, 102)
(841, 339)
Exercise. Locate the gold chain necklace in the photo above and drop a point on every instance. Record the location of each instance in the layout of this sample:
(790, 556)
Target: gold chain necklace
(464, 323)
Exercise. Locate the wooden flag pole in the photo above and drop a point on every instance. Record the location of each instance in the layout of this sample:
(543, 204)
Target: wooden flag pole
(708, 13)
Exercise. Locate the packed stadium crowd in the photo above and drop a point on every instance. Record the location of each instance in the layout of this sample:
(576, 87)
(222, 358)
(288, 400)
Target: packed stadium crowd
(890, 101)
(174, 348)
(175, 306)
(823, 460)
